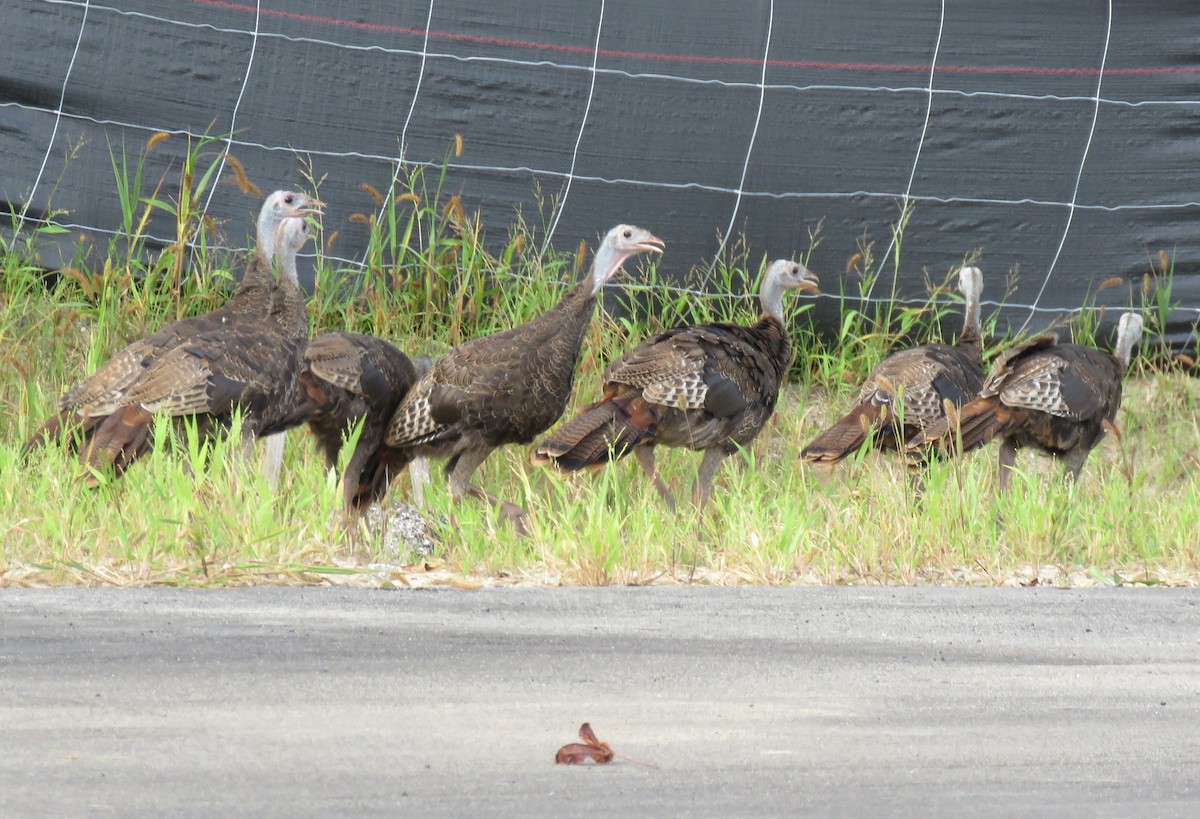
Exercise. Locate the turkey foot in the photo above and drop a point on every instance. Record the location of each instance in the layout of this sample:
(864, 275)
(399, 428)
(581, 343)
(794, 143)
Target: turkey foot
(514, 514)
(517, 516)
(645, 457)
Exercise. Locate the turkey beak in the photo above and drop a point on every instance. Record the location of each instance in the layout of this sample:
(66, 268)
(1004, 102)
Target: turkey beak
(312, 213)
(651, 244)
(313, 208)
(810, 284)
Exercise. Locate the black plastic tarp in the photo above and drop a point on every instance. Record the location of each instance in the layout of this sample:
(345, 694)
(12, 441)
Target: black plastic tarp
(1058, 140)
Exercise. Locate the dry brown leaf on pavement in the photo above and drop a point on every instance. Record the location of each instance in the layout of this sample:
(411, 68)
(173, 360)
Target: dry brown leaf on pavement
(591, 748)
(578, 753)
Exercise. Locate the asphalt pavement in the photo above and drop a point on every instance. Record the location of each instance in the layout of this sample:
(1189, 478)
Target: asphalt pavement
(750, 702)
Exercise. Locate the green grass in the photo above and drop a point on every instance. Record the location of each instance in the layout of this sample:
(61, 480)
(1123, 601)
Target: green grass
(191, 514)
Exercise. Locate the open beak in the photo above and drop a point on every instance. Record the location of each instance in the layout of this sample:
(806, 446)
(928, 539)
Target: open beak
(810, 284)
(651, 245)
(313, 208)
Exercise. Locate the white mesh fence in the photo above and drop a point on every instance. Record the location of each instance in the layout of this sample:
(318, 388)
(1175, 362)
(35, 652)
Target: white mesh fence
(428, 71)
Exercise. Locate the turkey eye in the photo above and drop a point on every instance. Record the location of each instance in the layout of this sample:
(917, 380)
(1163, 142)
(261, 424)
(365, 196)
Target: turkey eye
(628, 234)
(287, 200)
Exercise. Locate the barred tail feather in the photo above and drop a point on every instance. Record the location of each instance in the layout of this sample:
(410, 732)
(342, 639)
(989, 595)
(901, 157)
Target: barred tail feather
(606, 431)
(119, 440)
(977, 423)
(49, 431)
(840, 440)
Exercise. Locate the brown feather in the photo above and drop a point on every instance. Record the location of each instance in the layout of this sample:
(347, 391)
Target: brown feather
(978, 423)
(706, 387)
(118, 441)
(844, 437)
(909, 390)
(510, 386)
(605, 431)
(85, 407)
(1055, 397)
(47, 432)
(350, 379)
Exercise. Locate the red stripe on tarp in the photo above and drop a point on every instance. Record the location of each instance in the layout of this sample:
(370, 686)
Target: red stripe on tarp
(689, 58)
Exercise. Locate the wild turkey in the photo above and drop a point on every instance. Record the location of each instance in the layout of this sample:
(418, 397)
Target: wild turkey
(508, 387)
(1187, 362)
(907, 391)
(348, 378)
(1056, 397)
(706, 387)
(98, 396)
(252, 364)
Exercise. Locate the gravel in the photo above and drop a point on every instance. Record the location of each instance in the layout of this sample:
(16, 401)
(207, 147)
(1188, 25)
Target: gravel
(401, 528)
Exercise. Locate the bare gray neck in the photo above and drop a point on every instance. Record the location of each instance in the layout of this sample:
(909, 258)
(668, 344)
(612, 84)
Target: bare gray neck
(1125, 343)
(972, 312)
(287, 272)
(604, 265)
(286, 265)
(266, 234)
(770, 296)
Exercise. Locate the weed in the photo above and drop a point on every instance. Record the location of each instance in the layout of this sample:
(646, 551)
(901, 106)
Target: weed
(194, 512)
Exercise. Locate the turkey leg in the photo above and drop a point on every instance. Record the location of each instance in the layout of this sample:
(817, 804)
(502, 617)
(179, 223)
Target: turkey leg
(704, 477)
(645, 457)
(1008, 458)
(461, 486)
(1073, 463)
